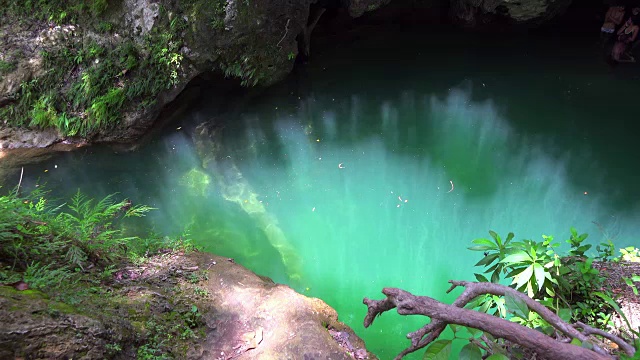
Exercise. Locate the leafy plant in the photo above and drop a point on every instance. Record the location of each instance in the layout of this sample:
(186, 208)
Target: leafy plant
(630, 253)
(606, 251)
(562, 283)
(44, 276)
(630, 282)
(495, 251)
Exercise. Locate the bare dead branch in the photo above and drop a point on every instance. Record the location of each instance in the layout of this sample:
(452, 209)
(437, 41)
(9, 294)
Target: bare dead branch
(474, 289)
(443, 314)
(588, 330)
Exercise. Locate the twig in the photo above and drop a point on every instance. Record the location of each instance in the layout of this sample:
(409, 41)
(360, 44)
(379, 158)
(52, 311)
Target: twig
(20, 182)
(286, 31)
(588, 330)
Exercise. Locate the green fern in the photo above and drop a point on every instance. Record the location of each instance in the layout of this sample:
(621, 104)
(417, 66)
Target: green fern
(44, 276)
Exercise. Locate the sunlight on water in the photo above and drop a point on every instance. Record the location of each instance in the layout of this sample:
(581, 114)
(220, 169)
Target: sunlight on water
(392, 195)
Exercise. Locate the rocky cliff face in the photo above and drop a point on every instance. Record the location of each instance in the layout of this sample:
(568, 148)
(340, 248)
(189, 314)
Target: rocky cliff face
(103, 70)
(477, 12)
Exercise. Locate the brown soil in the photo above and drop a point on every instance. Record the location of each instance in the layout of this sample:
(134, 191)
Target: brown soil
(629, 302)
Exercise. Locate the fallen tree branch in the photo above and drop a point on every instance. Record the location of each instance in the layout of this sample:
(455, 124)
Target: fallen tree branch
(588, 330)
(442, 314)
(474, 289)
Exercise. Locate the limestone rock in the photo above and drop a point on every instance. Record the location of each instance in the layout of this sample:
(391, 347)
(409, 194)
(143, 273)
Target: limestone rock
(34, 327)
(477, 12)
(257, 319)
(240, 315)
(358, 7)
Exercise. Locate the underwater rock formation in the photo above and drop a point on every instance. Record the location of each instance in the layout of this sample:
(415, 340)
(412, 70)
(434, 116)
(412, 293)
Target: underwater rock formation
(235, 188)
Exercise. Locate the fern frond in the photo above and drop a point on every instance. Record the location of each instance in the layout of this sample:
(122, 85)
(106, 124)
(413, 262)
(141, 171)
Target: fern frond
(138, 211)
(76, 255)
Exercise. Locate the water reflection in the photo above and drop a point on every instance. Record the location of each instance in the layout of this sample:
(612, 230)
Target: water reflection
(368, 191)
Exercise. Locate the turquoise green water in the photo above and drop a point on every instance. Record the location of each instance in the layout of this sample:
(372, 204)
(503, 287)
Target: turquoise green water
(379, 168)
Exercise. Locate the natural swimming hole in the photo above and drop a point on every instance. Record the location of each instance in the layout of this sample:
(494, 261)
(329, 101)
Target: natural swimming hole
(379, 177)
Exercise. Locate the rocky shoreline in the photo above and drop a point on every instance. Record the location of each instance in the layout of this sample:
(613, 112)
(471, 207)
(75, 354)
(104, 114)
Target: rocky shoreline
(188, 306)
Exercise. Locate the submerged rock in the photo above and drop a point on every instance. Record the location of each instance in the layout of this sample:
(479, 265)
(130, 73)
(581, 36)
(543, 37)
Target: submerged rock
(235, 188)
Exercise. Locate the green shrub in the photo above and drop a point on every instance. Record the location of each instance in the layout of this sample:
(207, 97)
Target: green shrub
(565, 284)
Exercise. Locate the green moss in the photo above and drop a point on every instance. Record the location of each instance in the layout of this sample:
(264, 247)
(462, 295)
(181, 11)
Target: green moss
(10, 292)
(6, 67)
(63, 308)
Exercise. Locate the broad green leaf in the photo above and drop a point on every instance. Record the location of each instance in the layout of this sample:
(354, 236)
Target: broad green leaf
(529, 290)
(475, 332)
(516, 306)
(574, 232)
(492, 268)
(481, 278)
(517, 258)
(539, 273)
(487, 260)
(486, 242)
(587, 345)
(470, 352)
(495, 277)
(454, 328)
(496, 237)
(549, 291)
(515, 271)
(509, 238)
(438, 350)
(486, 306)
(479, 248)
(576, 342)
(497, 357)
(523, 277)
(635, 277)
(500, 305)
(474, 303)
